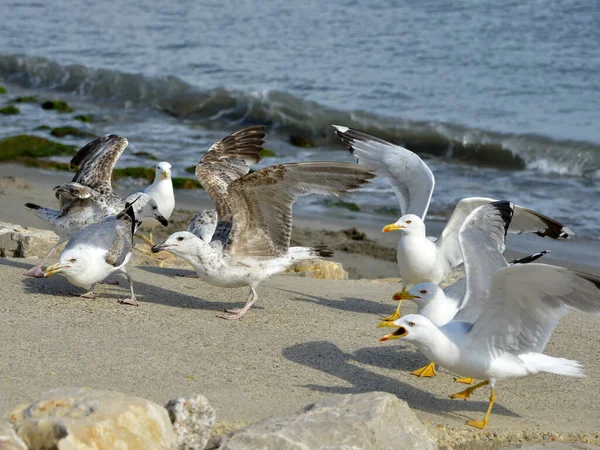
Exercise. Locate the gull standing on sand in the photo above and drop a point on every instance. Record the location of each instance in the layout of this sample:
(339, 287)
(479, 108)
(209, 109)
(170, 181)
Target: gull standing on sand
(419, 258)
(97, 251)
(89, 197)
(504, 319)
(252, 238)
(161, 190)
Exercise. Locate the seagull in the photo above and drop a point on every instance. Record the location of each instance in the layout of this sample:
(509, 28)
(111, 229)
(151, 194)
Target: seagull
(419, 258)
(504, 319)
(161, 190)
(441, 305)
(97, 251)
(252, 239)
(89, 197)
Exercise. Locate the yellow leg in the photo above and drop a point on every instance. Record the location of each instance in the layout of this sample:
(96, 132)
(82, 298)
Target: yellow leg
(427, 371)
(394, 316)
(464, 380)
(146, 239)
(468, 391)
(482, 423)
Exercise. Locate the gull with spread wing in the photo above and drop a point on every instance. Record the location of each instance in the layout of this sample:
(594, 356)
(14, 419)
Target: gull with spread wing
(89, 197)
(420, 259)
(503, 322)
(251, 241)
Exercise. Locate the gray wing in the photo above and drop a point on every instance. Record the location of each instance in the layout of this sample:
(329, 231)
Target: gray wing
(527, 301)
(524, 221)
(96, 161)
(228, 160)
(204, 224)
(481, 239)
(409, 176)
(112, 235)
(261, 202)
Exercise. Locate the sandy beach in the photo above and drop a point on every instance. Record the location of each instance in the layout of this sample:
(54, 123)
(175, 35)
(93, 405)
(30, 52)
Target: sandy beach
(303, 340)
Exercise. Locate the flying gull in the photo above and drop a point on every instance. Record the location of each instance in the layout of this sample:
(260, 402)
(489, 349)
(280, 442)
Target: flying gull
(504, 319)
(419, 258)
(89, 197)
(252, 239)
(97, 251)
(161, 190)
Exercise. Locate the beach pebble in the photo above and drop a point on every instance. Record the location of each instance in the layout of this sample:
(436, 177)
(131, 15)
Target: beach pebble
(318, 268)
(193, 419)
(9, 439)
(19, 242)
(82, 418)
(374, 420)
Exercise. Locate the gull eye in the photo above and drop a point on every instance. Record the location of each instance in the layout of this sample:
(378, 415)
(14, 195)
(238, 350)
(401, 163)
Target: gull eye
(154, 208)
(180, 238)
(411, 324)
(424, 291)
(409, 221)
(73, 260)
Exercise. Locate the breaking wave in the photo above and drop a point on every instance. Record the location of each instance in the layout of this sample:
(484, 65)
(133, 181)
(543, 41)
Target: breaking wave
(286, 114)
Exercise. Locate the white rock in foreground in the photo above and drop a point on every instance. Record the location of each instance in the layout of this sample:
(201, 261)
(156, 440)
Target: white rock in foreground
(371, 421)
(19, 242)
(193, 419)
(81, 418)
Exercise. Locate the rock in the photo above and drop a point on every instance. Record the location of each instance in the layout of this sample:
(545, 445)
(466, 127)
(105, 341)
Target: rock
(318, 268)
(9, 439)
(70, 131)
(193, 419)
(19, 242)
(9, 110)
(301, 141)
(375, 420)
(81, 418)
(57, 105)
(83, 118)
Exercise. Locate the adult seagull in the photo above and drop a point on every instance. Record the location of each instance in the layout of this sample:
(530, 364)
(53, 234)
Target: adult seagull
(252, 238)
(89, 197)
(505, 318)
(419, 258)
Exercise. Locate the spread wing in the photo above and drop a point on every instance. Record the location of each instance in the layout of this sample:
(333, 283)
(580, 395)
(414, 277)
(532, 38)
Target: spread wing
(527, 301)
(228, 160)
(481, 239)
(261, 203)
(96, 161)
(524, 221)
(409, 176)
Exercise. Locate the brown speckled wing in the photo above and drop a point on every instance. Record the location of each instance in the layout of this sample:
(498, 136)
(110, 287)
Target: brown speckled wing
(228, 160)
(261, 203)
(96, 161)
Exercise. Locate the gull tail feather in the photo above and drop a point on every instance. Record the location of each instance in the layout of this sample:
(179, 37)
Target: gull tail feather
(46, 214)
(300, 253)
(559, 366)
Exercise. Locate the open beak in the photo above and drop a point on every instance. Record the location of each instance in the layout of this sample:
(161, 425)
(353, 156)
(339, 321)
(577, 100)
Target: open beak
(55, 268)
(400, 332)
(162, 219)
(160, 247)
(391, 227)
(404, 295)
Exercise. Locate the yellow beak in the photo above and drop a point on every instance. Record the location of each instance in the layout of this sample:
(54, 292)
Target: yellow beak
(386, 323)
(400, 332)
(404, 295)
(391, 227)
(166, 174)
(54, 268)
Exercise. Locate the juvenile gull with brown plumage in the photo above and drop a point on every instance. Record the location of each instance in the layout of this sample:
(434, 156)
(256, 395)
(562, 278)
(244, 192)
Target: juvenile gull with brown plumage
(89, 197)
(252, 239)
